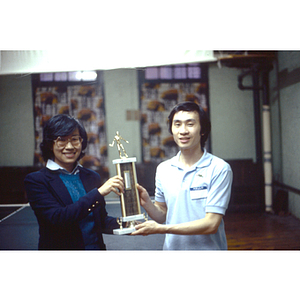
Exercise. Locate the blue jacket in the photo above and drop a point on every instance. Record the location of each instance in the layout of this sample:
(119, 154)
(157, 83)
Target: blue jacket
(58, 217)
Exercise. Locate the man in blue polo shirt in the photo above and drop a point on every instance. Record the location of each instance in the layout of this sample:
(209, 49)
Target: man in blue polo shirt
(192, 188)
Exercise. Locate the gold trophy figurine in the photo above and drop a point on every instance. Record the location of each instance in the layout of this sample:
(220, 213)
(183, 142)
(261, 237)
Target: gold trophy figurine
(130, 200)
(120, 147)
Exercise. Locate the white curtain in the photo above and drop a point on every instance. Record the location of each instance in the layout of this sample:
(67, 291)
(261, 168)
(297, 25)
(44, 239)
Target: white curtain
(38, 61)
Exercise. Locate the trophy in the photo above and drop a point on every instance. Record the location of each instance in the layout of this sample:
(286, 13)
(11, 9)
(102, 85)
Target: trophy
(130, 200)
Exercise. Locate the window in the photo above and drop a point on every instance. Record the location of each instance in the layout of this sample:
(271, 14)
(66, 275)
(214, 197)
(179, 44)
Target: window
(69, 76)
(176, 72)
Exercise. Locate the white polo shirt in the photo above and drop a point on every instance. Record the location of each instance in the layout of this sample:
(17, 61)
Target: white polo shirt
(191, 193)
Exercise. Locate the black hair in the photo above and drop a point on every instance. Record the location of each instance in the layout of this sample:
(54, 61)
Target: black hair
(203, 117)
(60, 125)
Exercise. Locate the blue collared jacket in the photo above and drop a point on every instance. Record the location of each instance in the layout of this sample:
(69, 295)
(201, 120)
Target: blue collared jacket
(58, 217)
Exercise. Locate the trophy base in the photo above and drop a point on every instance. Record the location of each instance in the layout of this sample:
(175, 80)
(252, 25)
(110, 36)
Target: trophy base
(131, 228)
(133, 218)
(124, 231)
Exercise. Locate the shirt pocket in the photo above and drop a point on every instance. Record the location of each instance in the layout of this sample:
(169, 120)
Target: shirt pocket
(198, 193)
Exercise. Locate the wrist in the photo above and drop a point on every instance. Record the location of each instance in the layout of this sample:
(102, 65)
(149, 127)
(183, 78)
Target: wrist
(147, 205)
(167, 229)
(101, 192)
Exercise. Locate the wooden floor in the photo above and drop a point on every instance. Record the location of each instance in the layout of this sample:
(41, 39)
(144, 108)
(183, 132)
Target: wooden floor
(244, 231)
(262, 231)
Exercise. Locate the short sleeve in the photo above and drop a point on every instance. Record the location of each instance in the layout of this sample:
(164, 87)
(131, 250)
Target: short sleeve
(220, 191)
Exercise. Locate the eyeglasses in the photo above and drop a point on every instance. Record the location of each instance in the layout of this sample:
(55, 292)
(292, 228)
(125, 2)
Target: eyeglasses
(62, 142)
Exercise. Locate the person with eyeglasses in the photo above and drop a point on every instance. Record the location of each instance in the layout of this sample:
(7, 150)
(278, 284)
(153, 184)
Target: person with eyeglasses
(68, 199)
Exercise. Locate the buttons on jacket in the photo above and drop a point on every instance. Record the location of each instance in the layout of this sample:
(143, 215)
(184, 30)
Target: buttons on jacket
(93, 205)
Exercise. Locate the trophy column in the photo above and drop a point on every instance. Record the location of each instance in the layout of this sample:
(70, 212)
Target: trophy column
(130, 201)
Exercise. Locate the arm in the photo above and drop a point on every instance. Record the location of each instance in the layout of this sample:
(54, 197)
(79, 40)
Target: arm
(124, 140)
(156, 211)
(50, 202)
(53, 204)
(208, 225)
(114, 184)
(219, 197)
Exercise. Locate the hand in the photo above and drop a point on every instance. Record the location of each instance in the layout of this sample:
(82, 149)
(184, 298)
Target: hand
(146, 228)
(144, 196)
(114, 184)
